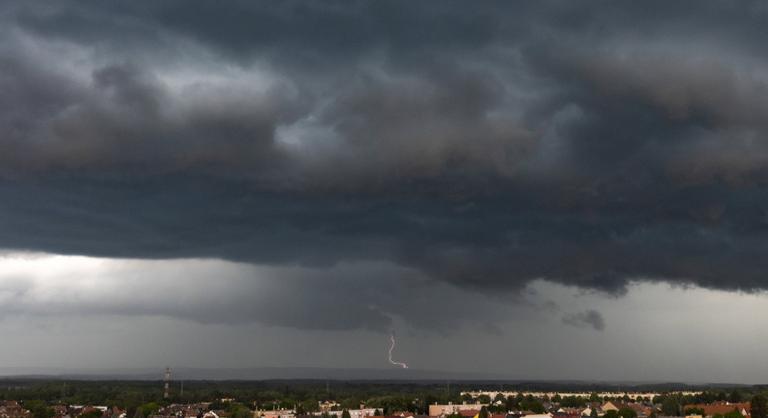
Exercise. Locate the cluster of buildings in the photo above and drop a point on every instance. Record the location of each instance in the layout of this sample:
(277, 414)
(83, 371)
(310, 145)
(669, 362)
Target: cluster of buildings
(14, 409)
(193, 410)
(640, 404)
(718, 409)
(586, 395)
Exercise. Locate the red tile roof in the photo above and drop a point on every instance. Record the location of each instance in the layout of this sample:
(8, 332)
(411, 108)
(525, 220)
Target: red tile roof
(719, 408)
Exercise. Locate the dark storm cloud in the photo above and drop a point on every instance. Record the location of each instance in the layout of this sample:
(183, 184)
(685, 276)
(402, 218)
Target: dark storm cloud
(484, 145)
(589, 318)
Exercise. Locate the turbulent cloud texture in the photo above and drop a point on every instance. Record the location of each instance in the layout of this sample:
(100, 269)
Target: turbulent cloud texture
(483, 145)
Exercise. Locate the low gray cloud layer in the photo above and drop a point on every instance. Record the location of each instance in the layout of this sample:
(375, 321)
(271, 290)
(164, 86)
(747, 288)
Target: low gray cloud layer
(485, 146)
(369, 296)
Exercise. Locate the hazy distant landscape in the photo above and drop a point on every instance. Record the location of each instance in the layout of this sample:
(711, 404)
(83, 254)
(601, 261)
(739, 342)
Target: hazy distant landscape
(466, 379)
(263, 373)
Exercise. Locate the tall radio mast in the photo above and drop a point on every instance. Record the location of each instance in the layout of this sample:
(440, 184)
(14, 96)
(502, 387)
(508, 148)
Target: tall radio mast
(167, 380)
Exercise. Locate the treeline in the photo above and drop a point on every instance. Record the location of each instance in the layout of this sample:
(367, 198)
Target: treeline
(146, 396)
(302, 395)
(674, 404)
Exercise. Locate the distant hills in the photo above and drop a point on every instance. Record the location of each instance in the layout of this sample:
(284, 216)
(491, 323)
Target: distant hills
(252, 373)
(348, 374)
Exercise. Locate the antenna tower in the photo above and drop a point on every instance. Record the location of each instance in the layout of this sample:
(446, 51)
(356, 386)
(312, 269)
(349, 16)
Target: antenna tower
(167, 380)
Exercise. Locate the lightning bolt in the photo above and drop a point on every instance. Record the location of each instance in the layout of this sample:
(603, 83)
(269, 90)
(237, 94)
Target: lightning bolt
(391, 348)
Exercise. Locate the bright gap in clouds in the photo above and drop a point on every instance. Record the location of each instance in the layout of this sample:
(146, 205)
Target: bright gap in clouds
(43, 282)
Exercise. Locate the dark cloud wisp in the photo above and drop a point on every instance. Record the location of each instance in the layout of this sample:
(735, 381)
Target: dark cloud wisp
(589, 318)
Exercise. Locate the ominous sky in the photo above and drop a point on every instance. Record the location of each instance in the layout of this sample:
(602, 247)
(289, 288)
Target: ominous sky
(538, 189)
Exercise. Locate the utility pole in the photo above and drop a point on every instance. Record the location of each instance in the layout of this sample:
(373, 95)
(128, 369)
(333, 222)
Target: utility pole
(166, 393)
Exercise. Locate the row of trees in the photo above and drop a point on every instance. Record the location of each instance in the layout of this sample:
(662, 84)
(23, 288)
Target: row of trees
(145, 396)
(303, 395)
(670, 404)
